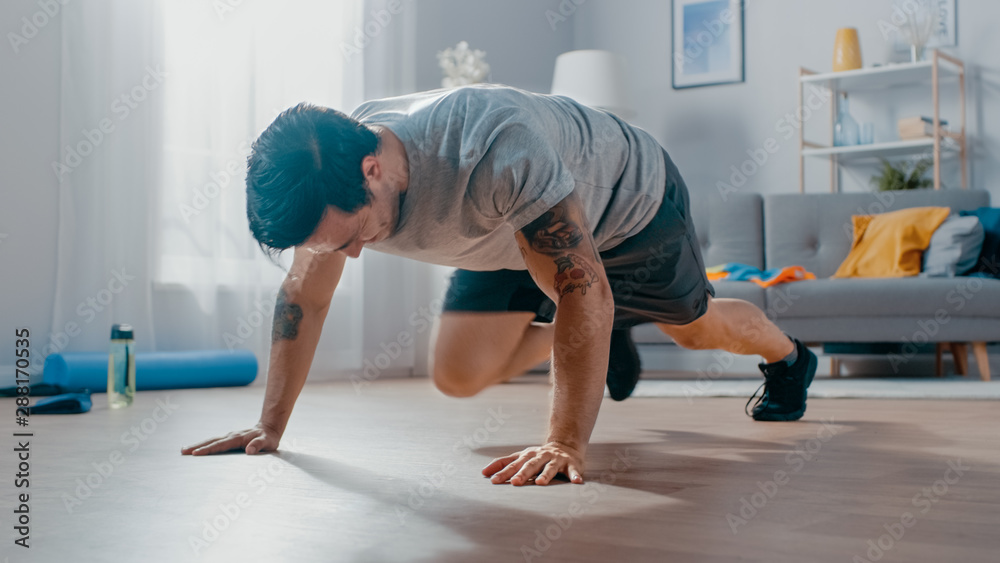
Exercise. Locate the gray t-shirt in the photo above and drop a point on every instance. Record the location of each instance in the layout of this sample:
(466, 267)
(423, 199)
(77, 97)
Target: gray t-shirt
(487, 160)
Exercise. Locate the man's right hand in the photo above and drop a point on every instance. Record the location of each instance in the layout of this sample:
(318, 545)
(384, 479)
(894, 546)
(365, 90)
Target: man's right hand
(300, 309)
(260, 438)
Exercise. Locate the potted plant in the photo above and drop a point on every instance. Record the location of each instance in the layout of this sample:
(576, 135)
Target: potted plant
(900, 177)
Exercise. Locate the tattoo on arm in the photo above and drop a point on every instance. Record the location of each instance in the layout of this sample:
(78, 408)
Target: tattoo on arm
(553, 232)
(286, 318)
(557, 234)
(572, 273)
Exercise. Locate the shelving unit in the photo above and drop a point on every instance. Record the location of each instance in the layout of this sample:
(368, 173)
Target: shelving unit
(941, 68)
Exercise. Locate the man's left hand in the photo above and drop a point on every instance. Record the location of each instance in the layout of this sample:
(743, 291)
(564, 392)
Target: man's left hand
(546, 462)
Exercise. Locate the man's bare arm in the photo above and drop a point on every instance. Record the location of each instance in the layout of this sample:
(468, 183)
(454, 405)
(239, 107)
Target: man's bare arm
(299, 312)
(560, 253)
(300, 309)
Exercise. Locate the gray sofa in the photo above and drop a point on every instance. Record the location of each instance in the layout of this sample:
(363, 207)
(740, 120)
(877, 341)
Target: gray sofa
(814, 230)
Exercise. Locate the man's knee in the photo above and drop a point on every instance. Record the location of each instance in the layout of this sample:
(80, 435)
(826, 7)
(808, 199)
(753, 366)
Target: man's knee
(692, 340)
(455, 382)
(691, 337)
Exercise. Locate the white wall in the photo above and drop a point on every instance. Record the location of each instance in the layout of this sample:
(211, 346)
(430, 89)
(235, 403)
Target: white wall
(706, 130)
(29, 114)
(520, 42)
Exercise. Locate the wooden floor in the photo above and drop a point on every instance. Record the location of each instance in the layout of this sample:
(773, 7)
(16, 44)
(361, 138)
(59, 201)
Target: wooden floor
(392, 474)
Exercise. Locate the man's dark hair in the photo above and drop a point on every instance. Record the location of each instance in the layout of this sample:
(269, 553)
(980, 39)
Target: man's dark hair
(308, 158)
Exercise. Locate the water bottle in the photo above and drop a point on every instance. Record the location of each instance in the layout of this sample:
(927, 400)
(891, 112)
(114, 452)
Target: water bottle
(121, 367)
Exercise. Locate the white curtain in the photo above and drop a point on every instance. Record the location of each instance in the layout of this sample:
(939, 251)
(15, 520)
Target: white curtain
(110, 169)
(160, 101)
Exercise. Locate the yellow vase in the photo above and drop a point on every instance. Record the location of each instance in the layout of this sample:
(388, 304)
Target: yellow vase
(846, 50)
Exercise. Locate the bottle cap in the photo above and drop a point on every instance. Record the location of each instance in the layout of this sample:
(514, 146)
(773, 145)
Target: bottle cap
(121, 331)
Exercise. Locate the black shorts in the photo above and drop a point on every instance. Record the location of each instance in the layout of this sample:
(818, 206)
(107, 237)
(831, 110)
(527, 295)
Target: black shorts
(658, 275)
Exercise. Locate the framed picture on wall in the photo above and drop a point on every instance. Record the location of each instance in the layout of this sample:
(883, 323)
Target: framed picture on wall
(707, 45)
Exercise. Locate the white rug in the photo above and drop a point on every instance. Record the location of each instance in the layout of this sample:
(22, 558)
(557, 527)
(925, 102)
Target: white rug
(841, 388)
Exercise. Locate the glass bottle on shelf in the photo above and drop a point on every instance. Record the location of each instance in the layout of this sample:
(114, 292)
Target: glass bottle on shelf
(845, 132)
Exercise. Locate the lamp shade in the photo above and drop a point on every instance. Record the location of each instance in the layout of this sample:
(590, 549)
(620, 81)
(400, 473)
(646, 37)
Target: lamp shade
(593, 78)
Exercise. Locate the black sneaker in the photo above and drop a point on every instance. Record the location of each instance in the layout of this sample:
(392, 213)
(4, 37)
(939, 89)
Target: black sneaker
(623, 365)
(785, 387)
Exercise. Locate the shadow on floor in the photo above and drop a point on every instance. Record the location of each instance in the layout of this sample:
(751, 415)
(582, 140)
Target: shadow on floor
(646, 501)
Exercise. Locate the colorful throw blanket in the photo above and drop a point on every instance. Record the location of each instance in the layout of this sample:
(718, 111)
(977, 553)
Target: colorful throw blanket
(734, 271)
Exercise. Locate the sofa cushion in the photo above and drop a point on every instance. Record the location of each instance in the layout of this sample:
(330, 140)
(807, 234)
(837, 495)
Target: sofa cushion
(867, 297)
(815, 230)
(890, 245)
(988, 262)
(747, 291)
(729, 229)
(915, 329)
(954, 248)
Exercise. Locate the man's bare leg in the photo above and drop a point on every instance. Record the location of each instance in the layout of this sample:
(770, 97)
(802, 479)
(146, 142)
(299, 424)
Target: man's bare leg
(733, 325)
(472, 351)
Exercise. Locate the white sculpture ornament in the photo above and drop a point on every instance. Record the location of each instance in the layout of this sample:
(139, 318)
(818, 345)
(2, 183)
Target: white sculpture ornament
(462, 65)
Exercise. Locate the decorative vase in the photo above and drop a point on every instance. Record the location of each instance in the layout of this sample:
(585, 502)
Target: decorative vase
(919, 22)
(845, 132)
(846, 50)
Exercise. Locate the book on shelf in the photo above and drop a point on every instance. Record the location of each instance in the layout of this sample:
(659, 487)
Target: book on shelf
(918, 127)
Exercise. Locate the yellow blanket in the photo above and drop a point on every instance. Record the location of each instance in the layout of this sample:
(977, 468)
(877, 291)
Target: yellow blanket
(891, 245)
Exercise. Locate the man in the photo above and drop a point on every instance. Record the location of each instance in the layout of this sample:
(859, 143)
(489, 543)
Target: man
(568, 226)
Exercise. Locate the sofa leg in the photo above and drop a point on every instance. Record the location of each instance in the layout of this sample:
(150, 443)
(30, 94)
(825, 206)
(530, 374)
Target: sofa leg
(834, 367)
(982, 360)
(961, 355)
(938, 360)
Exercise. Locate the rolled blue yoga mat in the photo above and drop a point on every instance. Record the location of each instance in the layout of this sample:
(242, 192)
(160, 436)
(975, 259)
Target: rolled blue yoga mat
(155, 370)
